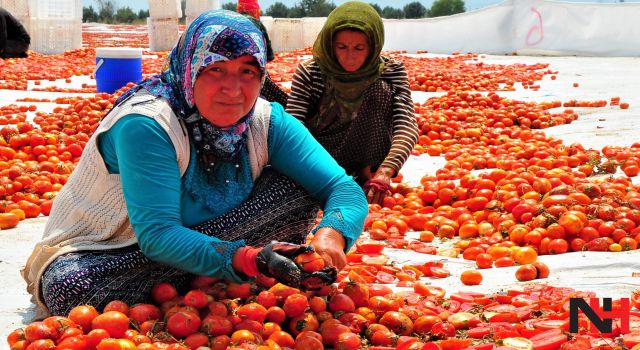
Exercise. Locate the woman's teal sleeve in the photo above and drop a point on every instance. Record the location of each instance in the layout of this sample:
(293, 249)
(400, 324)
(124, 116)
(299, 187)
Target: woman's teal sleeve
(138, 149)
(294, 152)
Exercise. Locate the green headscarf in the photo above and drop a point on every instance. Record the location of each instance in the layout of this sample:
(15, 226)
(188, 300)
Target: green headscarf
(345, 89)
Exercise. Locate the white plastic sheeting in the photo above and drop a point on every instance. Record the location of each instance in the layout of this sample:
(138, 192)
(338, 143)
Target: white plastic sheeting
(525, 27)
(292, 33)
(608, 275)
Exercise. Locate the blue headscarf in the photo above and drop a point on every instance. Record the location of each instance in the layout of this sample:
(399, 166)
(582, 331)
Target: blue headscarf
(214, 36)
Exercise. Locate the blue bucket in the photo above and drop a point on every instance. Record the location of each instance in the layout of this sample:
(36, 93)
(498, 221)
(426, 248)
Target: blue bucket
(117, 66)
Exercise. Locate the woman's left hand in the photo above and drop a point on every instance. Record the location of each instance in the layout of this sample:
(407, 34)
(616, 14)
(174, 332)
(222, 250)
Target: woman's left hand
(330, 244)
(382, 179)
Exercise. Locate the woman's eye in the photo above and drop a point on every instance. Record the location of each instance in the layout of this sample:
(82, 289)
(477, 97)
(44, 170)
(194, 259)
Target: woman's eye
(250, 72)
(214, 70)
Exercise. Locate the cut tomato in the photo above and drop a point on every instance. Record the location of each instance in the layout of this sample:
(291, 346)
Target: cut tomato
(354, 257)
(421, 247)
(631, 339)
(579, 342)
(431, 346)
(452, 306)
(408, 284)
(485, 346)
(428, 290)
(501, 308)
(370, 247)
(463, 320)
(379, 290)
(518, 343)
(385, 277)
(548, 340)
(552, 324)
(523, 299)
(524, 312)
(375, 260)
(509, 317)
(479, 332)
(462, 297)
(453, 344)
(503, 298)
(439, 272)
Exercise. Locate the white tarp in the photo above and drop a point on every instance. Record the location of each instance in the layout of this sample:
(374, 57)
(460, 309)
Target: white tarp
(524, 27)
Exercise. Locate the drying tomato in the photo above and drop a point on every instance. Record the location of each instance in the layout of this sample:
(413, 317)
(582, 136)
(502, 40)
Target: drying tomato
(385, 277)
(421, 247)
(439, 272)
(370, 247)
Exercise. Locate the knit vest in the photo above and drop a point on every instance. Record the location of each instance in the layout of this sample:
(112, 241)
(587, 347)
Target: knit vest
(90, 212)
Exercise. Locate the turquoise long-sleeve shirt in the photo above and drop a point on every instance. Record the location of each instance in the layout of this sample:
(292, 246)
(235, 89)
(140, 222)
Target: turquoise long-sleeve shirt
(161, 206)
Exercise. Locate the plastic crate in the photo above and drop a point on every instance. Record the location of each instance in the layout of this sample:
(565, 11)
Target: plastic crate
(196, 7)
(286, 34)
(188, 20)
(53, 36)
(165, 9)
(163, 34)
(18, 8)
(55, 9)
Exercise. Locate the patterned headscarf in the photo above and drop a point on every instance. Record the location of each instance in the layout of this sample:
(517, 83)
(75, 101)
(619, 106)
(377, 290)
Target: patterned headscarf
(345, 89)
(214, 36)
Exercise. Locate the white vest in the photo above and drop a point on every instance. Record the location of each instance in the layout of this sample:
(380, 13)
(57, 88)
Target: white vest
(90, 212)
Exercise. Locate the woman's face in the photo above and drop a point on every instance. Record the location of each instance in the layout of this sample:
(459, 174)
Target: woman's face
(351, 48)
(227, 90)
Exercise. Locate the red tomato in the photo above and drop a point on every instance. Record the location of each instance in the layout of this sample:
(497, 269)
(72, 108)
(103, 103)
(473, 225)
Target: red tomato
(310, 261)
(182, 324)
(385, 277)
(114, 322)
(397, 322)
(370, 247)
(549, 340)
(443, 330)
(83, 316)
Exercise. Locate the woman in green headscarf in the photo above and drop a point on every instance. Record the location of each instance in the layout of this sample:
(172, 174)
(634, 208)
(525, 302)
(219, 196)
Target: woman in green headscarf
(356, 102)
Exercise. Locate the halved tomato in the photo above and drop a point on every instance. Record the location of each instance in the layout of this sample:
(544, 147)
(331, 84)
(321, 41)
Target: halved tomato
(370, 247)
(548, 340)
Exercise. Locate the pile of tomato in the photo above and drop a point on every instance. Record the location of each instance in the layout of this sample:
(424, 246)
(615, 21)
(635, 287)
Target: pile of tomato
(132, 35)
(507, 194)
(37, 158)
(463, 72)
(218, 315)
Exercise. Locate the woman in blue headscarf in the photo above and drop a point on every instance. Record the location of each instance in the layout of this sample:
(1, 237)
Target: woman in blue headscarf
(186, 175)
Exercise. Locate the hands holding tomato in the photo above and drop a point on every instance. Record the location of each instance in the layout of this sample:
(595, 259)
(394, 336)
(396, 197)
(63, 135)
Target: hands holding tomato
(290, 264)
(330, 244)
(378, 185)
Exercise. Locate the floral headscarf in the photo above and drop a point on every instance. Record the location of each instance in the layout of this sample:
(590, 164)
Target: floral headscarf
(214, 36)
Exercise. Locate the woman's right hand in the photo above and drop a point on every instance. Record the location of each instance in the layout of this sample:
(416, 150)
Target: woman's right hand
(378, 185)
(276, 260)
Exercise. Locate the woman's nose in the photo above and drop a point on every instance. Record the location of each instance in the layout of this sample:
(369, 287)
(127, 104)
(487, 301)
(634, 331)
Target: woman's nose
(353, 55)
(231, 85)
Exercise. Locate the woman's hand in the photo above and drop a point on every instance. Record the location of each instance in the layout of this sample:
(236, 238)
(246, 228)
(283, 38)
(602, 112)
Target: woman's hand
(378, 186)
(330, 244)
(277, 260)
